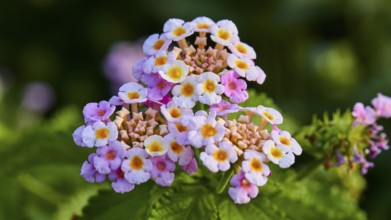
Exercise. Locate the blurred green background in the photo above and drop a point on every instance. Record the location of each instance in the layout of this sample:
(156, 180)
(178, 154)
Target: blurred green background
(318, 56)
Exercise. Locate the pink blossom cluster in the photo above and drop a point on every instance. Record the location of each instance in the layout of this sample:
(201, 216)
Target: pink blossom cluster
(377, 141)
(181, 104)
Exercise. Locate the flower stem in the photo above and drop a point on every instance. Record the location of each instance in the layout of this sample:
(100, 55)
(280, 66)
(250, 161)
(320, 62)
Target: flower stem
(225, 180)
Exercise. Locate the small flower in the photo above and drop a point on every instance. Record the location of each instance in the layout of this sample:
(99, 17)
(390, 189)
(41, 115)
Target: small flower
(278, 154)
(241, 49)
(255, 73)
(154, 146)
(89, 173)
(136, 167)
(157, 86)
(98, 111)
(99, 134)
(382, 105)
(219, 158)
(133, 93)
(363, 115)
(78, 136)
(205, 130)
(180, 129)
(176, 29)
(173, 113)
(185, 94)
(224, 32)
(174, 72)
(163, 170)
(242, 190)
(119, 183)
(177, 152)
(115, 100)
(209, 88)
(285, 139)
(192, 167)
(269, 114)
(224, 108)
(256, 171)
(109, 158)
(155, 63)
(203, 24)
(234, 88)
(241, 65)
(154, 44)
(360, 158)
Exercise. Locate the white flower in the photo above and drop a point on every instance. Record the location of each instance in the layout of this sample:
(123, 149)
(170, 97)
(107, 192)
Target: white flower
(203, 24)
(174, 72)
(279, 154)
(209, 88)
(154, 44)
(132, 93)
(154, 146)
(241, 65)
(185, 94)
(224, 32)
(99, 134)
(241, 49)
(177, 152)
(285, 139)
(173, 113)
(137, 166)
(256, 74)
(205, 130)
(219, 158)
(155, 63)
(269, 114)
(256, 171)
(176, 29)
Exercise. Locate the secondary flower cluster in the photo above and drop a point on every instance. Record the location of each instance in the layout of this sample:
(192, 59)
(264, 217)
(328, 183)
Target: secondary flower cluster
(156, 124)
(375, 141)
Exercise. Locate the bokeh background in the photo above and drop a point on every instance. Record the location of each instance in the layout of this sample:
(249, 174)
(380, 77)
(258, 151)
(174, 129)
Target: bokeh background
(318, 56)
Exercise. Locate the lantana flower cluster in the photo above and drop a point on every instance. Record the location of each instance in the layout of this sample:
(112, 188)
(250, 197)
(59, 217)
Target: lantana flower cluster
(189, 84)
(375, 141)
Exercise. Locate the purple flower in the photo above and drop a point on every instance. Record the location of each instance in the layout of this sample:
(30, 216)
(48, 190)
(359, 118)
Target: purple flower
(363, 115)
(382, 105)
(77, 136)
(224, 108)
(119, 183)
(242, 190)
(340, 159)
(89, 173)
(109, 158)
(163, 170)
(157, 86)
(98, 111)
(192, 167)
(360, 158)
(234, 88)
(137, 166)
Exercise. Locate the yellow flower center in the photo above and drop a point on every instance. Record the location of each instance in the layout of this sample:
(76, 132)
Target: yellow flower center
(220, 155)
(155, 146)
(136, 163)
(223, 34)
(203, 26)
(102, 133)
(285, 141)
(256, 165)
(179, 31)
(268, 115)
(181, 127)
(175, 73)
(133, 95)
(175, 112)
(176, 148)
(158, 44)
(187, 90)
(208, 131)
(276, 153)
(160, 61)
(209, 86)
(241, 64)
(241, 48)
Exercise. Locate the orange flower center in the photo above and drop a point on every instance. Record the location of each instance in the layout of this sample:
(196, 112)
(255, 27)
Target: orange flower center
(285, 141)
(223, 34)
(175, 112)
(187, 90)
(133, 95)
(179, 31)
(220, 155)
(158, 44)
(102, 133)
(209, 86)
(256, 165)
(159, 61)
(136, 163)
(175, 73)
(208, 131)
(176, 148)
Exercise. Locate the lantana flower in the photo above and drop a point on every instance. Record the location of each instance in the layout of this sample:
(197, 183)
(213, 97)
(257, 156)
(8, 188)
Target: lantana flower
(176, 29)
(119, 183)
(98, 111)
(241, 65)
(363, 115)
(109, 158)
(185, 94)
(224, 32)
(254, 167)
(218, 157)
(174, 72)
(163, 170)
(234, 88)
(157, 86)
(177, 152)
(284, 138)
(209, 89)
(154, 146)
(137, 166)
(242, 190)
(205, 130)
(133, 93)
(241, 49)
(99, 134)
(155, 43)
(278, 154)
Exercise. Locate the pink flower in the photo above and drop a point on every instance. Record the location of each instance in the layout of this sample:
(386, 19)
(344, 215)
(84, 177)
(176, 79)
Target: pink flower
(242, 190)
(234, 88)
(119, 183)
(224, 108)
(363, 115)
(192, 167)
(382, 105)
(163, 170)
(157, 86)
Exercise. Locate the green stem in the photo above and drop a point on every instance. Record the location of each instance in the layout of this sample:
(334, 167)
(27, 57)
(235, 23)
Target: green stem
(225, 180)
